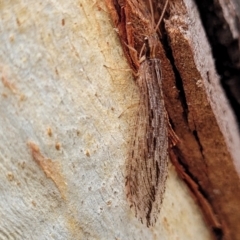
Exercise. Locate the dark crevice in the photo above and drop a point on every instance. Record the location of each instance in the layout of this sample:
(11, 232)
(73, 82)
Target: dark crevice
(171, 123)
(179, 83)
(195, 134)
(225, 49)
(218, 233)
(182, 162)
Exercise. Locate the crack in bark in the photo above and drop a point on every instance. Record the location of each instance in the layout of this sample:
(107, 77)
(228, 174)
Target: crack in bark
(225, 47)
(177, 157)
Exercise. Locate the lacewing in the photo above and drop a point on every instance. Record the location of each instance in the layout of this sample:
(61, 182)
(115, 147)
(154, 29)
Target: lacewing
(146, 168)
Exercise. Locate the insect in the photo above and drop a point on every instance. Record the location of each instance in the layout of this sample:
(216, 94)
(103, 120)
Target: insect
(146, 168)
(147, 164)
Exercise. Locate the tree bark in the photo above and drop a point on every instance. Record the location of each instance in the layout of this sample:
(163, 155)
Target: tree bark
(68, 103)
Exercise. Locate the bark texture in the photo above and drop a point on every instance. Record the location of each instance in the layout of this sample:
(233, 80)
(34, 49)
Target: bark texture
(68, 104)
(209, 151)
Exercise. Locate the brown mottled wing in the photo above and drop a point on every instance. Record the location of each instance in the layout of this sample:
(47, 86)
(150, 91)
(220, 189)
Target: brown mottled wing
(147, 163)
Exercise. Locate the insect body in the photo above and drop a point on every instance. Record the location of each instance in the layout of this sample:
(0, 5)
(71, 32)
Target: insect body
(147, 163)
(146, 170)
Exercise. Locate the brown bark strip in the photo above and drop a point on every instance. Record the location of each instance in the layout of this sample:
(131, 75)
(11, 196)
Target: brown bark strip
(209, 138)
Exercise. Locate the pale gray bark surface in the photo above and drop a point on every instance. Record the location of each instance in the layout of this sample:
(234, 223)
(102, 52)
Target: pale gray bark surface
(67, 106)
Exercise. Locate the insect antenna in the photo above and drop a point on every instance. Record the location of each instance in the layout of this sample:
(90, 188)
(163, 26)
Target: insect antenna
(152, 14)
(161, 17)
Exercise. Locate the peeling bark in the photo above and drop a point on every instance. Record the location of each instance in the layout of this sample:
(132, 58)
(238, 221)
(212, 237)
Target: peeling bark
(67, 107)
(209, 150)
